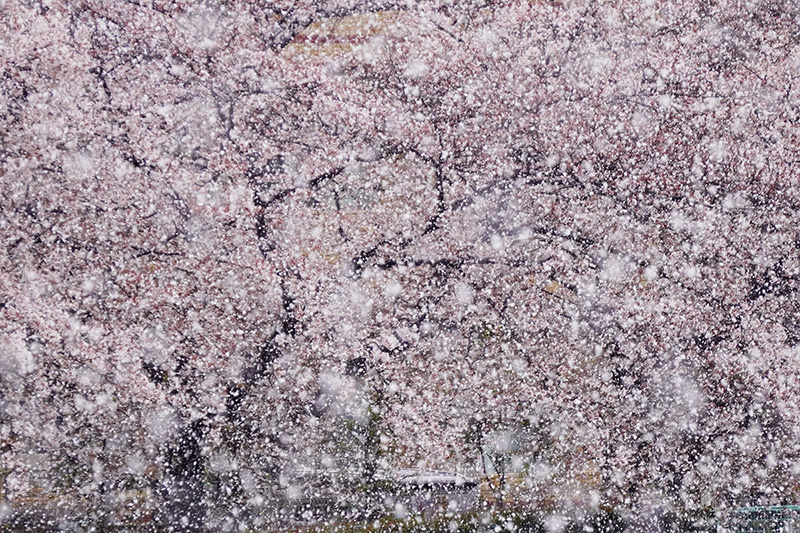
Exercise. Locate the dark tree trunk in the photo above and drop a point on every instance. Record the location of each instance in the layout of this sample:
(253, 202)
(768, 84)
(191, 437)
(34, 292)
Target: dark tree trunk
(184, 504)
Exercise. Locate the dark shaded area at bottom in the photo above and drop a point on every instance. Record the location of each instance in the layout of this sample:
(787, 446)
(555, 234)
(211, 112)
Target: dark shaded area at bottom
(492, 520)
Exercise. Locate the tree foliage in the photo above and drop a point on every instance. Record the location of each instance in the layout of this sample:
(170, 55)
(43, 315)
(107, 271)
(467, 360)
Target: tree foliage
(582, 213)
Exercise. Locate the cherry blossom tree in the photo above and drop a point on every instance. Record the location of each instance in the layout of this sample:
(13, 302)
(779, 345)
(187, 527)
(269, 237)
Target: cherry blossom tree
(574, 218)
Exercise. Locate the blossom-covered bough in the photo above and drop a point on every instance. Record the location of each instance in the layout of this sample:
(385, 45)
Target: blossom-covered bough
(571, 222)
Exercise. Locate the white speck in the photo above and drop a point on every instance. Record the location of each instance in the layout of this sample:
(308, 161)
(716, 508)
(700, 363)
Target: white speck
(497, 242)
(415, 69)
(393, 289)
